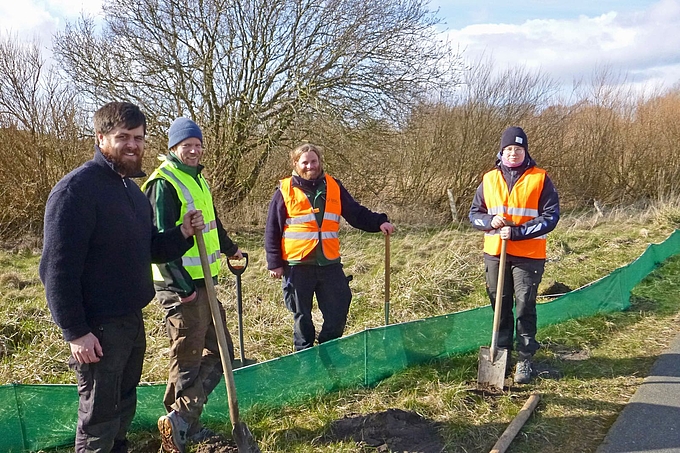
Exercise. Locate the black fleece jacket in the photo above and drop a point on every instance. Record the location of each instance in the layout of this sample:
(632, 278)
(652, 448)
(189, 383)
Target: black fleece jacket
(354, 213)
(99, 243)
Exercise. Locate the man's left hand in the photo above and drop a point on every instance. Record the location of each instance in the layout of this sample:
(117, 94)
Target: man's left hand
(387, 228)
(192, 222)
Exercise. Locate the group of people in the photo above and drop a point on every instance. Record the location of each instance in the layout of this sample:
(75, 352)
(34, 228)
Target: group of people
(111, 246)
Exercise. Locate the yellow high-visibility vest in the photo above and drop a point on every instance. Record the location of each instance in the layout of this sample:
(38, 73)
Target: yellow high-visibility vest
(192, 196)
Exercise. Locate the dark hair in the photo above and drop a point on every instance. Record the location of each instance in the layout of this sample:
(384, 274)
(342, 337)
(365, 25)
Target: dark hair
(118, 114)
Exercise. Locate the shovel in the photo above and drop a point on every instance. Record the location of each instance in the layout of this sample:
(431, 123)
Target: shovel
(241, 434)
(238, 269)
(492, 361)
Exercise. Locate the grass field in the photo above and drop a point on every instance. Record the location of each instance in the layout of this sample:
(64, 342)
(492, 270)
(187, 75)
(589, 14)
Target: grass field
(597, 362)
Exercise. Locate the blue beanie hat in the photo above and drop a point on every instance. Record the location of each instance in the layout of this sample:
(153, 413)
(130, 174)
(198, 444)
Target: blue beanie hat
(181, 129)
(514, 136)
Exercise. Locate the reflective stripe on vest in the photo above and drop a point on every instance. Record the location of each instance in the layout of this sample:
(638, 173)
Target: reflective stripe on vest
(519, 206)
(192, 196)
(301, 233)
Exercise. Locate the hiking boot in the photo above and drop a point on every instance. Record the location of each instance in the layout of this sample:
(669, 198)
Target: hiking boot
(523, 372)
(173, 431)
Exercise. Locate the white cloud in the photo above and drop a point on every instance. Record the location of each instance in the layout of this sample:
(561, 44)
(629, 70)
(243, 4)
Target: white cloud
(73, 8)
(643, 44)
(40, 19)
(25, 18)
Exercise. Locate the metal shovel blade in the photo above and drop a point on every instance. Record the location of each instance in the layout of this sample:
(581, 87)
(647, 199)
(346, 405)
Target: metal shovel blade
(492, 372)
(244, 439)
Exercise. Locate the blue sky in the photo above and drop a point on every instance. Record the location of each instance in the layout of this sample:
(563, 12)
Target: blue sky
(637, 41)
(461, 13)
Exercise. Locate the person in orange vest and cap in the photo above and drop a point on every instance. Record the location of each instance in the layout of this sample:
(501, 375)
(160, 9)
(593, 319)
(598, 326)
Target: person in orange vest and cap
(517, 202)
(303, 248)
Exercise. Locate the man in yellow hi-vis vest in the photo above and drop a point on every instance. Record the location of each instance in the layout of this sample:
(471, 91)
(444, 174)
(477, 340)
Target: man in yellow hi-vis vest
(303, 248)
(176, 186)
(517, 202)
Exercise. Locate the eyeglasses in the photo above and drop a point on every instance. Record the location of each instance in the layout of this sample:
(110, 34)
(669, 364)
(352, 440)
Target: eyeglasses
(189, 147)
(513, 149)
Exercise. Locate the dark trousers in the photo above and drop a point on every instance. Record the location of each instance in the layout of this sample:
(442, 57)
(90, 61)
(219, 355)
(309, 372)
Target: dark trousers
(108, 388)
(333, 295)
(520, 288)
(195, 363)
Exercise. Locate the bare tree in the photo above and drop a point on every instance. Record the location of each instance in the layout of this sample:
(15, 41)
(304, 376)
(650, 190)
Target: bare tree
(247, 70)
(461, 137)
(40, 117)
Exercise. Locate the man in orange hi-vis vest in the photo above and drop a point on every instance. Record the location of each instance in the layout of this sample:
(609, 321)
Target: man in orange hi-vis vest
(303, 248)
(517, 202)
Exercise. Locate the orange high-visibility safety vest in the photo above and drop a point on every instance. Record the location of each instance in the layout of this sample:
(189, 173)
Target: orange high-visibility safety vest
(302, 234)
(519, 206)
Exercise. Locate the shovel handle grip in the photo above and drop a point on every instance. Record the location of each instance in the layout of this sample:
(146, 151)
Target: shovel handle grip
(238, 269)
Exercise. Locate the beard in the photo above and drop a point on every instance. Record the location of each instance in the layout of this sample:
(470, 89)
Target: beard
(310, 174)
(125, 167)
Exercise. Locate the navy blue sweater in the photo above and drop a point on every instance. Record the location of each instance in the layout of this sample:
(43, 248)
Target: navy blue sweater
(99, 243)
(354, 213)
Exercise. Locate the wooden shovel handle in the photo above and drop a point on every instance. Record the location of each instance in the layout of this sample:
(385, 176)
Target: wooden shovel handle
(499, 299)
(387, 279)
(219, 330)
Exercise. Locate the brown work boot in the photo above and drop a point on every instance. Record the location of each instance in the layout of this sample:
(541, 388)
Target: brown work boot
(173, 431)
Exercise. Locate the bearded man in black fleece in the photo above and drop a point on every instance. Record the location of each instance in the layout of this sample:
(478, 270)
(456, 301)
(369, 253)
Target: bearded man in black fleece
(99, 243)
(303, 248)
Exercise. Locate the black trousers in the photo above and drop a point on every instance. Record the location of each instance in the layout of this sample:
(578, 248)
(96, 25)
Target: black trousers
(333, 295)
(108, 388)
(520, 288)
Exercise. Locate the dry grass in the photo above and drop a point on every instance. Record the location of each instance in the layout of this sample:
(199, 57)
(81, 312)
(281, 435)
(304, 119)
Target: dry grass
(600, 360)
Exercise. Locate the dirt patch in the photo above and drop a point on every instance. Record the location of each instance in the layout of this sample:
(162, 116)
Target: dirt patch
(216, 444)
(393, 430)
(213, 444)
(554, 288)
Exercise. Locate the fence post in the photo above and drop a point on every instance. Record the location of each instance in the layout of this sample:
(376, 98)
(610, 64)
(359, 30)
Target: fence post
(452, 205)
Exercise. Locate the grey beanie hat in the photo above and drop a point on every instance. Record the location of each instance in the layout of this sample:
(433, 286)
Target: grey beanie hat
(514, 136)
(181, 129)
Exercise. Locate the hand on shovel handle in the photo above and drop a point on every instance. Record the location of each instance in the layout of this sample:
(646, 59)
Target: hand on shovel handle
(235, 264)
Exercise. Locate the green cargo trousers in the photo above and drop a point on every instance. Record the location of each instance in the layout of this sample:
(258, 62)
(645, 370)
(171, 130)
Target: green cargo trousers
(195, 366)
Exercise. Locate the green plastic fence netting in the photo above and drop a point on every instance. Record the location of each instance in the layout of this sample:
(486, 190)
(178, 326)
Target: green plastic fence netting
(34, 417)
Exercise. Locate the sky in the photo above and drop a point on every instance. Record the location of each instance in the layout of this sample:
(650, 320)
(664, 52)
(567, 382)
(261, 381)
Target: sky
(636, 41)
(568, 40)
